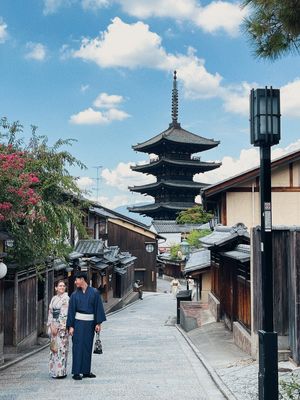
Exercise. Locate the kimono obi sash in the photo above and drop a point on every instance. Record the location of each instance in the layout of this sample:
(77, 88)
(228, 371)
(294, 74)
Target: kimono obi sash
(84, 317)
(55, 313)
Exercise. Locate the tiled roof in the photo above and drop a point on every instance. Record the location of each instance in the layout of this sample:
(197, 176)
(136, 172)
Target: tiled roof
(59, 264)
(104, 212)
(240, 253)
(192, 163)
(169, 183)
(90, 247)
(156, 206)
(162, 226)
(177, 134)
(198, 260)
(223, 234)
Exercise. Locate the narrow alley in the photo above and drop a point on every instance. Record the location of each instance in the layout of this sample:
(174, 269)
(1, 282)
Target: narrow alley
(144, 356)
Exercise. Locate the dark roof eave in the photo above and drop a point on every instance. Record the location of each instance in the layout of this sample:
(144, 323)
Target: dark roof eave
(176, 132)
(247, 175)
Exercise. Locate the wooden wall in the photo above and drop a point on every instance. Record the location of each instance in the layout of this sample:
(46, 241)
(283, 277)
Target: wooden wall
(281, 266)
(286, 285)
(231, 286)
(134, 242)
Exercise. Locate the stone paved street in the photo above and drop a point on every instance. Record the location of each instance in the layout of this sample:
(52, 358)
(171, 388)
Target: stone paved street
(144, 357)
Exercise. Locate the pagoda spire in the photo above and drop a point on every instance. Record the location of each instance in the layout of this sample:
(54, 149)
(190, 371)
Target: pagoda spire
(174, 102)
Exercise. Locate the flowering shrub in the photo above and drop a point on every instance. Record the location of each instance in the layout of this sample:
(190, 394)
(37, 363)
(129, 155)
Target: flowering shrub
(19, 195)
(36, 187)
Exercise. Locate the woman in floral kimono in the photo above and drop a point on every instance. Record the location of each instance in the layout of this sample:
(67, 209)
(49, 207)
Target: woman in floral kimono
(59, 337)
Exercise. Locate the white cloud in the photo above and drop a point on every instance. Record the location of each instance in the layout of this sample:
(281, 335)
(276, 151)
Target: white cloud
(3, 31)
(248, 158)
(119, 200)
(94, 4)
(122, 176)
(236, 99)
(220, 15)
(134, 45)
(52, 6)
(85, 182)
(290, 99)
(36, 51)
(177, 9)
(123, 45)
(105, 100)
(215, 16)
(92, 117)
(88, 117)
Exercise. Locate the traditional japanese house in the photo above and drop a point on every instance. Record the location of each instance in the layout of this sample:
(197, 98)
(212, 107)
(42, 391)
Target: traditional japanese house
(109, 270)
(174, 168)
(130, 236)
(243, 189)
(173, 267)
(230, 296)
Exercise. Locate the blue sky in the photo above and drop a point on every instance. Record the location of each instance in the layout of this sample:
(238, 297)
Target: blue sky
(100, 71)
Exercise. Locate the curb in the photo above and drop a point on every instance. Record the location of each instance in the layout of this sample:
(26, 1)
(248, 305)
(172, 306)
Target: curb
(211, 371)
(23, 357)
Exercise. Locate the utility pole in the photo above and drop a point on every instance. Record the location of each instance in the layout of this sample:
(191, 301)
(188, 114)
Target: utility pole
(98, 168)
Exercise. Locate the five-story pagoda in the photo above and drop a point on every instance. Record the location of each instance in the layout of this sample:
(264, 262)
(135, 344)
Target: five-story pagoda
(174, 168)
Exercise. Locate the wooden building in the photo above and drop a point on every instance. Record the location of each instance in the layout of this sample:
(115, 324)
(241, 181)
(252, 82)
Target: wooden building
(109, 270)
(230, 296)
(130, 236)
(174, 168)
(222, 198)
(286, 290)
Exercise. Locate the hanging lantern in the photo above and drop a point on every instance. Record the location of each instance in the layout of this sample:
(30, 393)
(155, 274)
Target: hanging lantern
(3, 270)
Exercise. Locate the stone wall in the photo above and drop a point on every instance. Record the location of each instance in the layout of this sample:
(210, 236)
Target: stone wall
(241, 337)
(190, 315)
(214, 306)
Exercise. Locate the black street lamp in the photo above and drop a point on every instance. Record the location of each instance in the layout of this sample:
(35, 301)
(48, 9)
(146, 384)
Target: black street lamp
(265, 132)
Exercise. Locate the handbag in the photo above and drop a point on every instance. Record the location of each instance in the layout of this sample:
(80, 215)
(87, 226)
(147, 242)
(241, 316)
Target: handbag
(53, 346)
(98, 344)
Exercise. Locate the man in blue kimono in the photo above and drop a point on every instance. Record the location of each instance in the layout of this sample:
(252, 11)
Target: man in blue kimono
(85, 315)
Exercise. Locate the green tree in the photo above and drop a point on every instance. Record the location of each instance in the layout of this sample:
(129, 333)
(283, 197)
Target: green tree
(273, 27)
(194, 236)
(174, 251)
(194, 215)
(40, 224)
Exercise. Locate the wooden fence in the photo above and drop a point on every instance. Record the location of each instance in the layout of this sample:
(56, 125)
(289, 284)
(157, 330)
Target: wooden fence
(286, 285)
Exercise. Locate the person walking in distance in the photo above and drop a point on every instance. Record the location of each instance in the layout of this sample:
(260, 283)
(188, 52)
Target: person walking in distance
(85, 316)
(137, 288)
(174, 286)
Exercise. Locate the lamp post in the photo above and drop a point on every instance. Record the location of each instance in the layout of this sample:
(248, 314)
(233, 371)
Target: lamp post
(265, 132)
(185, 249)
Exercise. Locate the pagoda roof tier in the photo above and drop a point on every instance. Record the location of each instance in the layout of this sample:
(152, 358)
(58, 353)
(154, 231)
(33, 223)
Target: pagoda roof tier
(175, 135)
(192, 164)
(186, 185)
(156, 207)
